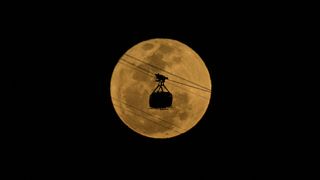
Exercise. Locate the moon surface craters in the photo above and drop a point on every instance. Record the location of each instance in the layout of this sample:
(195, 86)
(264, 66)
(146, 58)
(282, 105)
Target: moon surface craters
(156, 59)
(182, 110)
(140, 76)
(162, 56)
(166, 49)
(147, 46)
(176, 59)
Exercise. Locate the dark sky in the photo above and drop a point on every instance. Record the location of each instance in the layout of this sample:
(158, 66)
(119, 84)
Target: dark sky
(68, 126)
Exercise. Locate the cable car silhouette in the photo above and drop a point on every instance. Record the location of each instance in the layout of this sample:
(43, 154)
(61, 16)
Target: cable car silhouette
(160, 99)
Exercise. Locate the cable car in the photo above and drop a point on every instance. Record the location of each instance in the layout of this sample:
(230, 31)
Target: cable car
(160, 99)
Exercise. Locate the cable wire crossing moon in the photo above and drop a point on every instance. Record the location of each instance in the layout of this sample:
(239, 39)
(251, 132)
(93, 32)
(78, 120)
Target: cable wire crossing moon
(160, 88)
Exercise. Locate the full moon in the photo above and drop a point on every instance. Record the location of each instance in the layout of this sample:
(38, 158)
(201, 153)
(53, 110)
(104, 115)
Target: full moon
(133, 81)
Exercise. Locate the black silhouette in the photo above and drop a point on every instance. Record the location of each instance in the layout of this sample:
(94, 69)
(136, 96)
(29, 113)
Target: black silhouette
(159, 98)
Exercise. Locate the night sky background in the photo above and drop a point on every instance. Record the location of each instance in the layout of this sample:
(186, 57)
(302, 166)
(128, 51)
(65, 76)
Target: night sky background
(67, 127)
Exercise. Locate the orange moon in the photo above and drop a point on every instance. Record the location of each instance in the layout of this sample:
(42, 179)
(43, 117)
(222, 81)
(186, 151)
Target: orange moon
(133, 81)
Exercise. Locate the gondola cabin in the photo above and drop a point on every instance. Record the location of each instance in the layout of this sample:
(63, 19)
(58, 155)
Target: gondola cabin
(160, 98)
